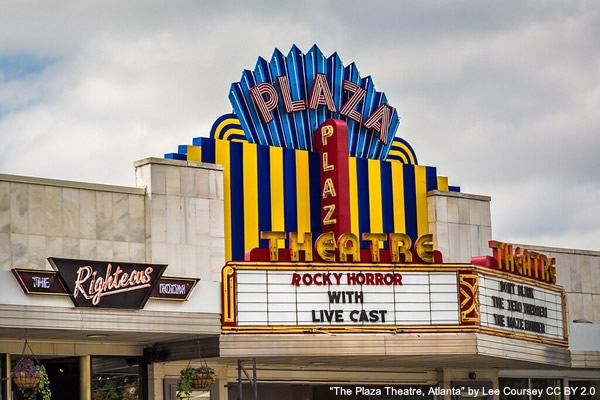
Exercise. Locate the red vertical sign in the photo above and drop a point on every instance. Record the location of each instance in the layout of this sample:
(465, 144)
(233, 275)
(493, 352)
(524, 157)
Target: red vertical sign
(331, 141)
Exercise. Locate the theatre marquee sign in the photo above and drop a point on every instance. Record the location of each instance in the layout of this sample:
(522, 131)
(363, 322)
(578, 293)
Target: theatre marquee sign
(265, 295)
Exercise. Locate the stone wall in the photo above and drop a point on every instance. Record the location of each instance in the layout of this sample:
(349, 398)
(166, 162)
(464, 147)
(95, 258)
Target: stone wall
(42, 218)
(184, 216)
(461, 224)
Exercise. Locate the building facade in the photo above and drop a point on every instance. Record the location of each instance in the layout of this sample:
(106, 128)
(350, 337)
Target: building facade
(302, 244)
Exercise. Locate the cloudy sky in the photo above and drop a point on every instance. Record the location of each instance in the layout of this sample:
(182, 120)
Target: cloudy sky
(503, 97)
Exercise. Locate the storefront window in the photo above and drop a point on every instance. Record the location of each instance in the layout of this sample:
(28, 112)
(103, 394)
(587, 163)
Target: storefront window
(116, 378)
(584, 390)
(550, 389)
(514, 389)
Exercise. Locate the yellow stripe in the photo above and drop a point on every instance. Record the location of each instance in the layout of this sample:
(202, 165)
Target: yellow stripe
(398, 195)
(222, 157)
(421, 194)
(223, 123)
(250, 175)
(233, 132)
(375, 214)
(194, 153)
(396, 152)
(353, 196)
(277, 205)
(442, 182)
(302, 191)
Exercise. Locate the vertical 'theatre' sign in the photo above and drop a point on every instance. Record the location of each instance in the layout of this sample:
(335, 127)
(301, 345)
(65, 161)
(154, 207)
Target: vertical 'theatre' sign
(331, 141)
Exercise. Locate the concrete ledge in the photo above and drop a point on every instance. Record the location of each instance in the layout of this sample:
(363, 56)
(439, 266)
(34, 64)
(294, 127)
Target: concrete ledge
(459, 195)
(72, 184)
(178, 163)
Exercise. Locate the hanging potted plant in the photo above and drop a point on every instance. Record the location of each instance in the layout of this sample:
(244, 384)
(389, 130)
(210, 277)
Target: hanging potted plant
(194, 378)
(31, 379)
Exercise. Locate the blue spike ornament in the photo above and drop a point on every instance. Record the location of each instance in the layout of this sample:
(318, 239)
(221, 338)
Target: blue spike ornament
(281, 102)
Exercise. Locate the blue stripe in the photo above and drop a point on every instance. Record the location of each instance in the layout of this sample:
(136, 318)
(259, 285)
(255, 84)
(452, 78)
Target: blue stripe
(392, 135)
(431, 176)
(248, 81)
(367, 109)
(264, 192)
(296, 64)
(208, 150)
(362, 185)
(410, 201)
(263, 72)
(314, 173)
(241, 107)
(225, 129)
(237, 136)
(175, 156)
(289, 192)
(387, 199)
(237, 200)
(351, 74)
(372, 140)
(222, 118)
(454, 188)
(278, 67)
(335, 77)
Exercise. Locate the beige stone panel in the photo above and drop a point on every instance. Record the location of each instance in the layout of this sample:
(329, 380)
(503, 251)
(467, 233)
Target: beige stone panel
(202, 183)
(188, 222)
(454, 242)
(588, 306)
(142, 177)
(217, 262)
(575, 306)
(158, 179)
(120, 251)
(18, 207)
(453, 210)
(474, 212)
(104, 250)
(70, 216)
(174, 260)
(173, 180)
(430, 209)
(219, 184)
(474, 236)
(217, 223)
(442, 238)
(441, 208)
(465, 243)
(87, 249)
(485, 235)
(485, 212)
(202, 219)
(595, 274)
(174, 219)
(159, 253)
(575, 268)
(71, 248)
(4, 207)
(189, 263)
(18, 249)
(87, 214)
(136, 218)
(464, 216)
(54, 216)
(188, 183)
(596, 308)
(586, 274)
(120, 217)
(5, 251)
(37, 251)
(137, 252)
(213, 191)
(104, 216)
(55, 246)
(37, 210)
(158, 218)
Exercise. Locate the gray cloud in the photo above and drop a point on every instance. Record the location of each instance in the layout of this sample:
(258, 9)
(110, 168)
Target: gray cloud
(501, 96)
